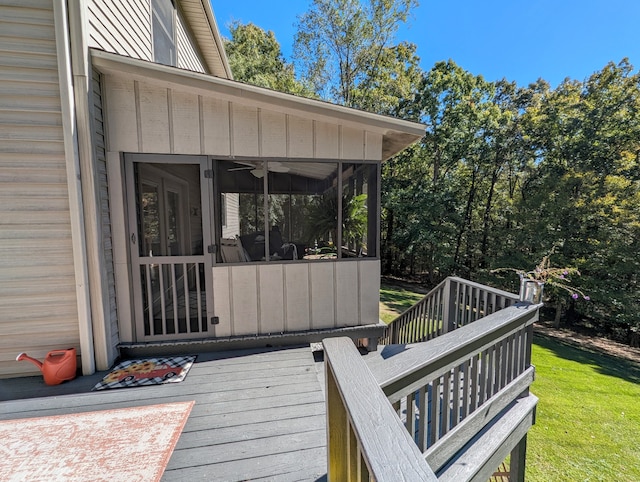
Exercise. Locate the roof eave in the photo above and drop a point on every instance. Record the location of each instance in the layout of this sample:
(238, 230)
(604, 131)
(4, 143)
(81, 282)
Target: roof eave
(397, 134)
(206, 4)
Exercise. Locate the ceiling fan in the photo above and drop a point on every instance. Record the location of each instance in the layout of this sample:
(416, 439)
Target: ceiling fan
(258, 171)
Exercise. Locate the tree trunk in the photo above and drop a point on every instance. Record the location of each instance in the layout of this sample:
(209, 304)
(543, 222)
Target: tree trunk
(467, 219)
(487, 219)
(556, 318)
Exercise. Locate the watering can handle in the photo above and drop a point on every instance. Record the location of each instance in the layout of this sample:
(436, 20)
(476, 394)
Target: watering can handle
(57, 352)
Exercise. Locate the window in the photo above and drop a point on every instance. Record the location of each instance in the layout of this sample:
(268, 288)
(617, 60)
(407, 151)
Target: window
(163, 31)
(359, 210)
(288, 210)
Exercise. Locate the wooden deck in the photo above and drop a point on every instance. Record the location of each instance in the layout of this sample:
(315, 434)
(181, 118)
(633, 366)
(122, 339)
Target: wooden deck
(259, 414)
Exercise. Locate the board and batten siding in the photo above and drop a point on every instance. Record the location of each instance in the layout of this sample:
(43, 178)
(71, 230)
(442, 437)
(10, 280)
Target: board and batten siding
(274, 298)
(105, 214)
(124, 27)
(38, 309)
(148, 117)
(144, 117)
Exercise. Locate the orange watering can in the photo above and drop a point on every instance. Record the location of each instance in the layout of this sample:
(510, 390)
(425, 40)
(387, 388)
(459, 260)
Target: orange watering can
(58, 365)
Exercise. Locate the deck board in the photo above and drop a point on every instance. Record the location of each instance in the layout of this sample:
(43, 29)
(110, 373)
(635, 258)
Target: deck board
(258, 414)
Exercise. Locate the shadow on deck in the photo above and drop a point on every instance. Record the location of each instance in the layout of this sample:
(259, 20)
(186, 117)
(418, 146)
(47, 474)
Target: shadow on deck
(259, 414)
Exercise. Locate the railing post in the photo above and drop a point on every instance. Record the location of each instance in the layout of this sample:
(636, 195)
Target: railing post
(365, 438)
(449, 306)
(517, 461)
(337, 427)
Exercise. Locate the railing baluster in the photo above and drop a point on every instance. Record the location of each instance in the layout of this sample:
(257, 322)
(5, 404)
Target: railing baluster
(473, 384)
(446, 403)
(466, 387)
(410, 414)
(422, 418)
(436, 403)
(455, 397)
(174, 292)
(199, 296)
(163, 303)
(187, 297)
(149, 299)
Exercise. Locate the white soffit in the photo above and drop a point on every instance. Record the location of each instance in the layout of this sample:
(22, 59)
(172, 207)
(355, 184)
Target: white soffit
(202, 23)
(397, 134)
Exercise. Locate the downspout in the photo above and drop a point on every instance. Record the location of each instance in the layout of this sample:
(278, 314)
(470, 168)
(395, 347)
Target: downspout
(98, 285)
(74, 187)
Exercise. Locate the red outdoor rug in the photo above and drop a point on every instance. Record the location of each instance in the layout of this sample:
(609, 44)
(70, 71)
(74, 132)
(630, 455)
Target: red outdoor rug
(150, 371)
(132, 444)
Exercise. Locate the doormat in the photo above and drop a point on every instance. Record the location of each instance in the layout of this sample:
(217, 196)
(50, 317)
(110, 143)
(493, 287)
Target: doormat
(123, 444)
(150, 371)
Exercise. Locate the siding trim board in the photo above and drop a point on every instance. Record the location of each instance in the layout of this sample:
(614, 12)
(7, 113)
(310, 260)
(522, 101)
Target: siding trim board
(85, 328)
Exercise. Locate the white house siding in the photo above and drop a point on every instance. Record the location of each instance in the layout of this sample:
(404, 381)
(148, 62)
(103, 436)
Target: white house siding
(146, 117)
(273, 298)
(232, 204)
(124, 27)
(105, 216)
(121, 26)
(188, 57)
(38, 310)
(149, 117)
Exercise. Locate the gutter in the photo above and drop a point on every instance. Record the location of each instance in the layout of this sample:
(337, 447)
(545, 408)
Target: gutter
(74, 186)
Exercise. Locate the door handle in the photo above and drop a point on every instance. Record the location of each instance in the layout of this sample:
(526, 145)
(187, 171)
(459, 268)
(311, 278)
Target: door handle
(133, 238)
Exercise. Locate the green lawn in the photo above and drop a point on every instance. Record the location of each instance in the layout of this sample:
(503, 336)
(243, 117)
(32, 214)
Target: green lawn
(394, 300)
(588, 416)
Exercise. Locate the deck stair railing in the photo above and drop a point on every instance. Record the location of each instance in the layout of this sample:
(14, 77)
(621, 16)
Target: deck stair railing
(462, 399)
(455, 302)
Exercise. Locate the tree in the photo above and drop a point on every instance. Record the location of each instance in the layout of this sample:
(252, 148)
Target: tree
(342, 46)
(255, 57)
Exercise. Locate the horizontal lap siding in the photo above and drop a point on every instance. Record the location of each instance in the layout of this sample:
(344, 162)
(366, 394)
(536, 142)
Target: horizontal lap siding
(38, 310)
(124, 27)
(188, 57)
(105, 215)
(121, 26)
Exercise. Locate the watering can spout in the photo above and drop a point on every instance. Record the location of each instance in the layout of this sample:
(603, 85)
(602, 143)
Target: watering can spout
(24, 356)
(58, 365)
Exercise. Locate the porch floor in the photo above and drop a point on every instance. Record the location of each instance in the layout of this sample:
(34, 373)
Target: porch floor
(259, 414)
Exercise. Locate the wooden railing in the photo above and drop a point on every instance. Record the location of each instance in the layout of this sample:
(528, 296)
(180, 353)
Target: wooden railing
(463, 400)
(455, 302)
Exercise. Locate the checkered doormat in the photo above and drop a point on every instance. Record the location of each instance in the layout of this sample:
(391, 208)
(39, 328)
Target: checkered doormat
(149, 371)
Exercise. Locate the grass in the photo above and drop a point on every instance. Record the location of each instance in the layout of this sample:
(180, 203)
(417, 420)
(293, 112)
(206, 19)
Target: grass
(395, 299)
(588, 417)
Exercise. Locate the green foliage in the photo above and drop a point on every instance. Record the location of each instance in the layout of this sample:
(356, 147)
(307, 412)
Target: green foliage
(255, 57)
(345, 49)
(504, 174)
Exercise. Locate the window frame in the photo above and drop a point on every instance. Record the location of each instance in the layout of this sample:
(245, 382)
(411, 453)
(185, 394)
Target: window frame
(157, 19)
(265, 192)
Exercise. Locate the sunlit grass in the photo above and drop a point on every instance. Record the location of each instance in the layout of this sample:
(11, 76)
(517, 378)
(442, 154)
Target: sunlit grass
(588, 417)
(394, 300)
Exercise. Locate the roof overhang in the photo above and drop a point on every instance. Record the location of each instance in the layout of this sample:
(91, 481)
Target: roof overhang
(202, 23)
(397, 134)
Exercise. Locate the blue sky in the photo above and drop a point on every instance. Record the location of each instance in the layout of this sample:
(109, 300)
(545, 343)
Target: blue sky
(519, 40)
